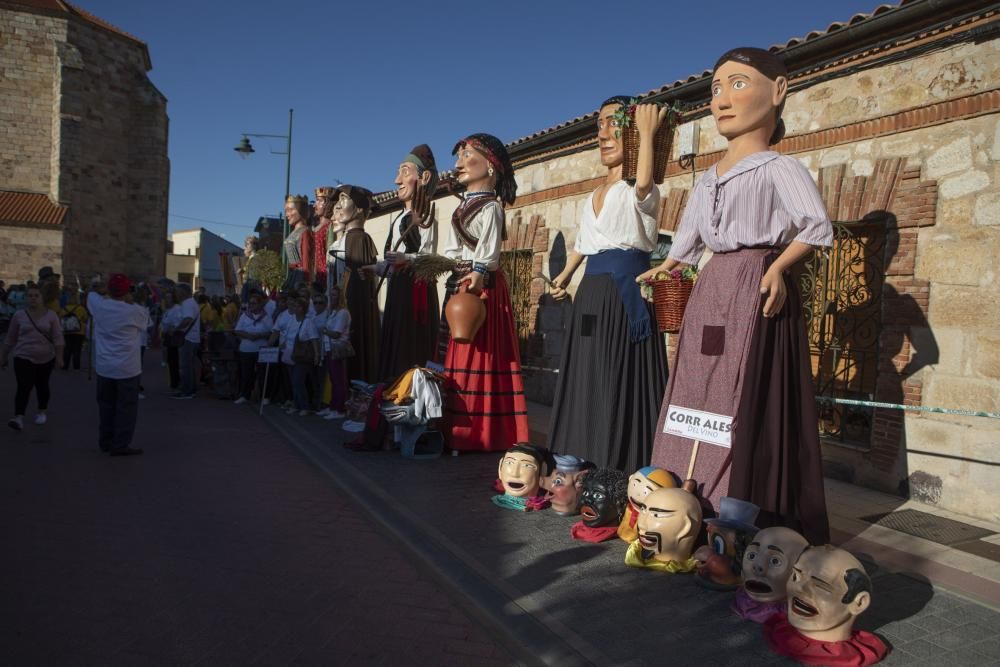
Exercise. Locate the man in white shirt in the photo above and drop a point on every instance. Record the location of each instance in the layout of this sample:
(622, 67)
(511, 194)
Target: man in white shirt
(191, 323)
(118, 329)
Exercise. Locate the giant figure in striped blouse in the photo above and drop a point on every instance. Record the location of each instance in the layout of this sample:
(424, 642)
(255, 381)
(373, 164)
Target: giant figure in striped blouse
(739, 412)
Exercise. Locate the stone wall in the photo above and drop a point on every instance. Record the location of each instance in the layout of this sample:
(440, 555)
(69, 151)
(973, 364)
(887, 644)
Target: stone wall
(113, 162)
(86, 126)
(28, 62)
(925, 134)
(26, 249)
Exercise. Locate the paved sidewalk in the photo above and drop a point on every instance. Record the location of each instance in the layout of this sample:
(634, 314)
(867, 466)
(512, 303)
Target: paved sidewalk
(570, 602)
(221, 545)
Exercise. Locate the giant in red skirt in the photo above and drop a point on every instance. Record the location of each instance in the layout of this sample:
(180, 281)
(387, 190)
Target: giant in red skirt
(485, 406)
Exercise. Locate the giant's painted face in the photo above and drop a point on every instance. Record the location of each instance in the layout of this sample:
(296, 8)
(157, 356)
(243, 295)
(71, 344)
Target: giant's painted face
(818, 601)
(407, 181)
(292, 214)
(471, 166)
(344, 210)
(744, 100)
(668, 524)
(768, 560)
(609, 137)
(520, 474)
(564, 490)
(322, 207)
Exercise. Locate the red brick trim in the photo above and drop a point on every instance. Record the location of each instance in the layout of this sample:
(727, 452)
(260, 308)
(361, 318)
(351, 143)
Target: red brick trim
(947, 111)
(898, 190)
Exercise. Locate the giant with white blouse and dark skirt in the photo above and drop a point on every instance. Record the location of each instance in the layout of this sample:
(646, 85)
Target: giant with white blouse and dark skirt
(410, 324)
(613, 369)
(741, 386)
(485, 407)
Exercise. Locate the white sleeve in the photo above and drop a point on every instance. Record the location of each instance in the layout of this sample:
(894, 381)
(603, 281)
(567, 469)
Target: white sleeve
(453, 248)
(648, 209)
(491, 218)
(429, 239)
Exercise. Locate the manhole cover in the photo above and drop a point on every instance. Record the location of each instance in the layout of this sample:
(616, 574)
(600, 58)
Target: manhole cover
(929, 527)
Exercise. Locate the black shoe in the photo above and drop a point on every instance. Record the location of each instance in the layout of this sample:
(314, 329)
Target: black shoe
(125, 451)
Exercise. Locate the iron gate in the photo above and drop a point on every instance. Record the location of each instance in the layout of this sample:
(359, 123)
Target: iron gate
(516, 264)
(842, 299)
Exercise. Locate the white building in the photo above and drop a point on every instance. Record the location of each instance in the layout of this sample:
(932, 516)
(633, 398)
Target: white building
(193, 256)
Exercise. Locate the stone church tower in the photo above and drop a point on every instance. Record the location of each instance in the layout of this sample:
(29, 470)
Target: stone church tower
(84, 173)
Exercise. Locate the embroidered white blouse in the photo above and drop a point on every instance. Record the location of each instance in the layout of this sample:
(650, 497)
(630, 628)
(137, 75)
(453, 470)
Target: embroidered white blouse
(623, 224)
(485, 226)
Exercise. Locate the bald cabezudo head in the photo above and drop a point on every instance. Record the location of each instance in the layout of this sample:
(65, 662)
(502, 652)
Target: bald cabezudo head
(768, 560)
(828, 589)
(669, 521)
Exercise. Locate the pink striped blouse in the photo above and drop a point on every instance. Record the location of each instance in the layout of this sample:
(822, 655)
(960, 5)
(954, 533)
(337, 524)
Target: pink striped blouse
(765, 199)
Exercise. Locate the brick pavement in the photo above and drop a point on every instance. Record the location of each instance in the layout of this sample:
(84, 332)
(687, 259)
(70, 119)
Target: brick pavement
(221, 545)
(526, 565)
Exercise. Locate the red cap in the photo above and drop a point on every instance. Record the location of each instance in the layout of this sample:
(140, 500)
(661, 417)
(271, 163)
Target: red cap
(118, 284)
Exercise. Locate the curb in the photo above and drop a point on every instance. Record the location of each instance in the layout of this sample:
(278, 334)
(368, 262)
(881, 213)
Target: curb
(525, 633)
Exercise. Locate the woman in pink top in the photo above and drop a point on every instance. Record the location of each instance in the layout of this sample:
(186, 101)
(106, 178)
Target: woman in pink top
(35, 340)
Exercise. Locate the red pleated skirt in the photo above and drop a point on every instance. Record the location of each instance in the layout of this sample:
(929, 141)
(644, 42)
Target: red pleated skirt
(485, 407)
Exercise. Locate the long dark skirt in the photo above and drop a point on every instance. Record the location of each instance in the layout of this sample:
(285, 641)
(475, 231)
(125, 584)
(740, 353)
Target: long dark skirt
(410, 326)
(733, 362)
(609, 388)
(366, 329)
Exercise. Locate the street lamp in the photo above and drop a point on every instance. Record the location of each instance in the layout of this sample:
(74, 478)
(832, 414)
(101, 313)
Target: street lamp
(244, 148)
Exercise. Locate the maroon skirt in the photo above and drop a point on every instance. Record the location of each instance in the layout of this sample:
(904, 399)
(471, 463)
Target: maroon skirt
(485, 405)
(748, 376)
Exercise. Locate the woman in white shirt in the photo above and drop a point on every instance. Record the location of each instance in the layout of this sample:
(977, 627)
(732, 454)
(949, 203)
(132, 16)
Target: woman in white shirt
(253, 329)
(336, 333)
(171, 320)
(298, 329)
(614, 368)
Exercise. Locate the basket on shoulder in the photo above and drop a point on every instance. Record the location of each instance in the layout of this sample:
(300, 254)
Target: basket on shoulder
(671, 291)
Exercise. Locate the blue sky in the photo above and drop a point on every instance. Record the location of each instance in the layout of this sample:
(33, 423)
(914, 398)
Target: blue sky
(371, 79)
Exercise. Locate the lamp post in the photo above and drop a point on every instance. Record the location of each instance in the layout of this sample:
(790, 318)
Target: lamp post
(244, 148)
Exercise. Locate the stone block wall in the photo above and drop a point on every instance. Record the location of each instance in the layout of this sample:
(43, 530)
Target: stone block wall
(28, 62)
(26, 249)
(114, 167)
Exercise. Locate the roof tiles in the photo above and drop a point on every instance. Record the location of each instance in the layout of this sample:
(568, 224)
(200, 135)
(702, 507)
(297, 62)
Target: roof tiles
(30, 208)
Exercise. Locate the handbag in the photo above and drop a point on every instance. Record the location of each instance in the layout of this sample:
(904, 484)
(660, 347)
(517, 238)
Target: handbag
(302, 350)
(176, 338)
(341, 348)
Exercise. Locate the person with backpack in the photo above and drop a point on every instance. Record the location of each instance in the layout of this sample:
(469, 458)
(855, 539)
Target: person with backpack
(73, 319)
(35, 340)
